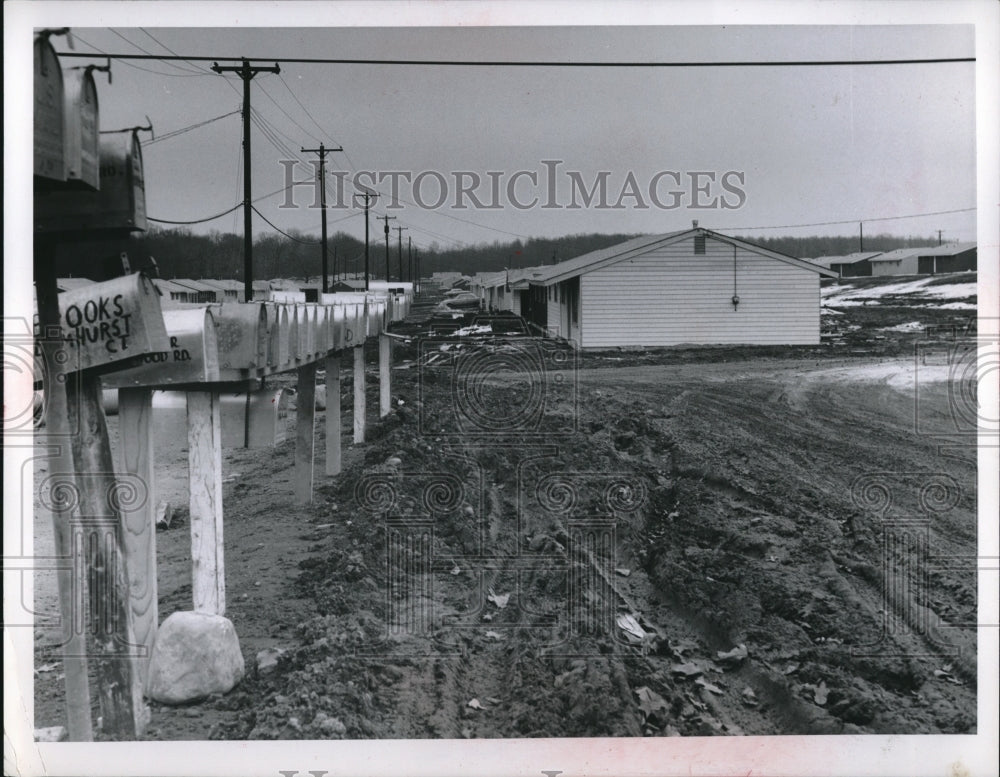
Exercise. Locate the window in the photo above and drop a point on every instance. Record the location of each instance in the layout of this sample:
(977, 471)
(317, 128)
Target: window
(699, 244)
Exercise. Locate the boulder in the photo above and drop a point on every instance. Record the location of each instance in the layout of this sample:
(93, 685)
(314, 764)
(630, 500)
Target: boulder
(195, 654)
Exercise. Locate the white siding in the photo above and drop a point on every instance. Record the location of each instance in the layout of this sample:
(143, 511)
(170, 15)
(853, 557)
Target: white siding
(553, 313)
(671, 296)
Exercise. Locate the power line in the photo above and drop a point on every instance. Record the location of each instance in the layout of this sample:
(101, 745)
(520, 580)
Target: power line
(182, 130)
(294, 97)
(855, 221)
(290, 237)
(198, 221)
(551, 63)
(286, 113)
(151, 54)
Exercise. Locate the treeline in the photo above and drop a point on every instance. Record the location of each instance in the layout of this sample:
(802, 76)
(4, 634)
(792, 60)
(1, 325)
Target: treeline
(178, 253)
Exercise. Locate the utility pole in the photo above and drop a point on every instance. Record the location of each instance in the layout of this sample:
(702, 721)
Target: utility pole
(939, 236)
(399, 236)
(335, 276)
(246, 71)
(322, 151)
(409, 258)
(368, 199)
(386, 218)
(861, 236)
(416, 261)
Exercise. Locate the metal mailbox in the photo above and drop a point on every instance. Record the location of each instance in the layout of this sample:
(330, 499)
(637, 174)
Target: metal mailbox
(241, 335)
(81, 137)
(267, 422)
(119, 206)
(50, 147)
(107, 323)
(285, 349)
(192, 356)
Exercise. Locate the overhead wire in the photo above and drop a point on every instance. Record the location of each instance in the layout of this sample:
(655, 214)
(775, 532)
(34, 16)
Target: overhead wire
(182, 130)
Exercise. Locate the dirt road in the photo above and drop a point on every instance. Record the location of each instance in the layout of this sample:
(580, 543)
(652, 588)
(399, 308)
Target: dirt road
(758, 545)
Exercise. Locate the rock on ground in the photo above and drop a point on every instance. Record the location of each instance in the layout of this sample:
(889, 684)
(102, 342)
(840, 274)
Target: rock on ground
(195, 655)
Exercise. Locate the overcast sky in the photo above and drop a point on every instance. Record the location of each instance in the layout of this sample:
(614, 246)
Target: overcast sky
(802, 145)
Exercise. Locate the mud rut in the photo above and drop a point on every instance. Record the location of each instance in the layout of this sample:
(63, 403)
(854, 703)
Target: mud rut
(721, 514)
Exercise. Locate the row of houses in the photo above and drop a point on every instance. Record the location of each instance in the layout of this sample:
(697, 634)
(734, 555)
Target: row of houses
(694, 286)
(927, 260)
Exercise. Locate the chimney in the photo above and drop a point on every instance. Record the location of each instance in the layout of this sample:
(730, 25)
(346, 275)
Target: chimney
(694, 223)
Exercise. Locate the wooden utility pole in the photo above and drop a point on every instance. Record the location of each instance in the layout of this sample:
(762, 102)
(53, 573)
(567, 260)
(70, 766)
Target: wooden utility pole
(399, 236)
(246, 71)
(386, 219)
(368, 200)
(861, 236)
(322, 151)
(409, 258)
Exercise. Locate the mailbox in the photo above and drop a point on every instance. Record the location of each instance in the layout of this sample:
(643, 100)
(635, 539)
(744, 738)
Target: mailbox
(192, 356)
(81, 128)
(306, 320)
(267, 422)
(241, 335)
(109, 322)
(285, 347)
(322, 329)
(119, 206)
(280, 295)
(50, 148)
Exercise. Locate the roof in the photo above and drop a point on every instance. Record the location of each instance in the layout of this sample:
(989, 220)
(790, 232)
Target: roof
(571, 268)
(225, 283)
(166, 286)
(897, 254)
(951, 249)
(857, 256)
(194, 285)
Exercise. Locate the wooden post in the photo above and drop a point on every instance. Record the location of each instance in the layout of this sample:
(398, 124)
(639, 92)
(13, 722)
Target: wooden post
(70, 578)
(384, 376)
(305, 415)
(208, 573)
(333, 414)
(359, 393)
(135, 409)
(119, 690)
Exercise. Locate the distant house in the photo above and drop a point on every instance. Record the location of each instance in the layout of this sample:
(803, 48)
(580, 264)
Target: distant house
(856, 265)
(204, 292)
(232, 291)
(175, 292)
(694, 286)
(954, 257)
(901, 261)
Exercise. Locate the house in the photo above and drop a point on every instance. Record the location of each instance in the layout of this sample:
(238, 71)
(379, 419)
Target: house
(175, 292)
(901, 261)
(502, 290)
(856, 265)
(694, 286)
(954, 257)
(231, 291)
(204, 292)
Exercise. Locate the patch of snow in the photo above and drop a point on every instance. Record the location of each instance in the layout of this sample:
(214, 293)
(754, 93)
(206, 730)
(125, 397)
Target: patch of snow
(909, 326)
(849, 295)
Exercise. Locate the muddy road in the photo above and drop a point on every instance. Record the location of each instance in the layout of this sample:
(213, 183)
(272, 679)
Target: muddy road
(603, 547)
